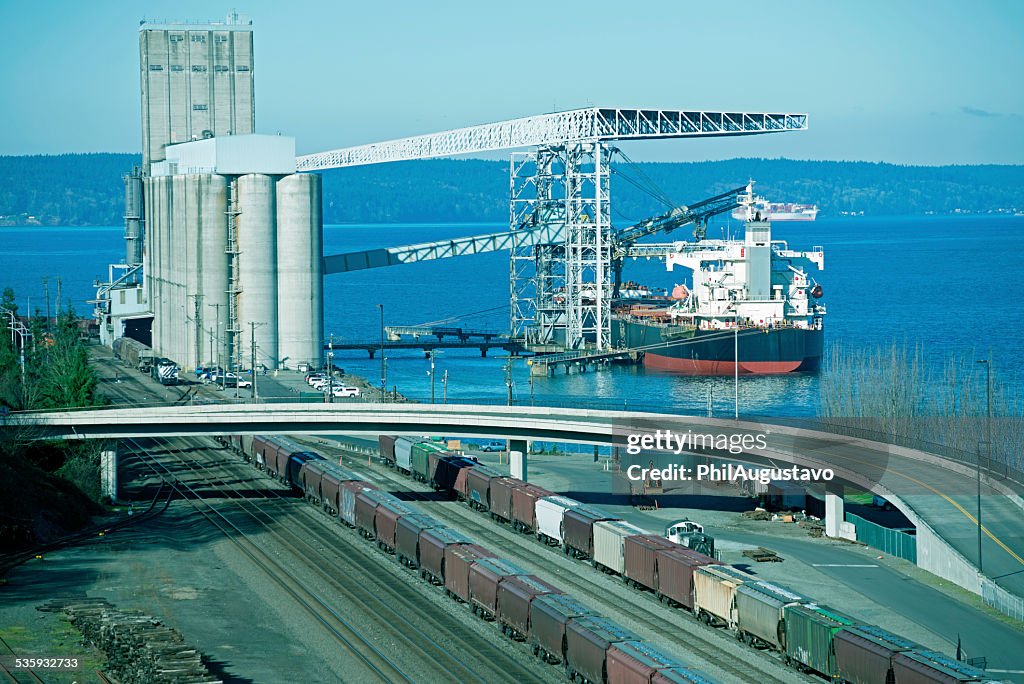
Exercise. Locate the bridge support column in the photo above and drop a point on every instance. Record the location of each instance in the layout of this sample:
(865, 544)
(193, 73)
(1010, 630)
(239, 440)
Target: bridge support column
(835, 513)
(518, 453)
(108, 473)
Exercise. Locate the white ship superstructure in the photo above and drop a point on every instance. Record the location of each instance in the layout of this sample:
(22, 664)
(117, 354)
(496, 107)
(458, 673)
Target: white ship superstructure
(757, 281)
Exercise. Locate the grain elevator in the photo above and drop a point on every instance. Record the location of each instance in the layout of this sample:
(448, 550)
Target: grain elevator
(223, 238)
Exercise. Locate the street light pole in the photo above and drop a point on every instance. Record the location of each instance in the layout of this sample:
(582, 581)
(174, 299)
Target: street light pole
(431, 353)
(736, 362)
(383, 366)
(330, 370)
(988, 448)
(444, 385)
(252, 364)
(508, 379)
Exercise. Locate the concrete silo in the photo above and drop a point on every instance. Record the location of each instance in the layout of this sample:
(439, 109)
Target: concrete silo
(257, 268)
(213, 267)
(299, 270)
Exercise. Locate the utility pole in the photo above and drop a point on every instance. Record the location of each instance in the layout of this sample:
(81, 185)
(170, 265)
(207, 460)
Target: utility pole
(444, 384)
(219, 359)
(46, 292)
(988, 448)
(198, 314)
(58, 295)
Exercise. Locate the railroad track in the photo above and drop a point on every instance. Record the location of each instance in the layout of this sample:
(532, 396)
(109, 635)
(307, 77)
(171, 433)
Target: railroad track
(377, 664)
(15, 676)
(396, 604)
(161, 500)
(688, 635)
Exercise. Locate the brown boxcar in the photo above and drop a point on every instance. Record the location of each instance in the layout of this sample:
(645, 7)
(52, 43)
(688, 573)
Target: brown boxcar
(640, 564)
(407, 537)
(385, 522)
(579, 529)
(549, 614)
(330, 486)
(310, 478)
(367, 501)
(587, 640)
(484, 577)
(501, 497)
(458, 558)
(675, 569)
(461, 486)
(349, 491)
(634, 662)
(262, 449)
(864, 653)
(524, 507)
(276, 457)
(478, 487)
(515, 594)
(433, 542)
(929, 667)
(386, 445)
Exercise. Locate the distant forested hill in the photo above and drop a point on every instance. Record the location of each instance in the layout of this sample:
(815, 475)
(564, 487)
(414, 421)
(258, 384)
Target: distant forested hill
(85, 189)
(64, 189)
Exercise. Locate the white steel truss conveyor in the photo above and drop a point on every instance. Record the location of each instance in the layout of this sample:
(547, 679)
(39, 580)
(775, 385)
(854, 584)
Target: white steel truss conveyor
(576, 125)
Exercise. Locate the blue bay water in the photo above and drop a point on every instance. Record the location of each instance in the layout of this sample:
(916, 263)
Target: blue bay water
(949, 284)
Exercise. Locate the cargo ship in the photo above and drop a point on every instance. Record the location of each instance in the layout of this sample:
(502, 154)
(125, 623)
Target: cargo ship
(778, 211)
(754, 296)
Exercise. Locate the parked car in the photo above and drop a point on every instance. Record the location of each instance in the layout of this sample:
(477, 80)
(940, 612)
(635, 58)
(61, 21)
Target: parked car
(493, 445)
(242, 382)
(345, 391)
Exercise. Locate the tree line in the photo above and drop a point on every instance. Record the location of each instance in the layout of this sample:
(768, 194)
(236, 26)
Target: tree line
(86, 189)
(46, 488)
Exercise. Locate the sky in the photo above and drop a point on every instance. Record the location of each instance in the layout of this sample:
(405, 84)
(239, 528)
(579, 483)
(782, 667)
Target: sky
(908, 82)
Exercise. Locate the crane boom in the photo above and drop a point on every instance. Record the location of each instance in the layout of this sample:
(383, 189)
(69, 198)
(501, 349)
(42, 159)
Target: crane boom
(559, 128)
(698, 213)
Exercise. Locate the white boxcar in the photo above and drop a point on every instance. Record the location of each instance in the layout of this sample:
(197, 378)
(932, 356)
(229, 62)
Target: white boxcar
(609, 543)
(714, 589)
(403, 454)
(550, 510)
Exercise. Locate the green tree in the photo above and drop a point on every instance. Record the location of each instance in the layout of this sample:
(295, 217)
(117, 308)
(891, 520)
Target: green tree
(62, 367)
(11, 394)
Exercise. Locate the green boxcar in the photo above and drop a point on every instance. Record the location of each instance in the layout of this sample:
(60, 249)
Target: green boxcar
(421, 459)
(810, 630)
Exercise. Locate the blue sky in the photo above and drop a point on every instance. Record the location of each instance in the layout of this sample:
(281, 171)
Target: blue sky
(914, 81)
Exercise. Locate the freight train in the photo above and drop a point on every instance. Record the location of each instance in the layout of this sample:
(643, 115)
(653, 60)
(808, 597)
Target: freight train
(592, 648)
(133, 353)
(811, 637)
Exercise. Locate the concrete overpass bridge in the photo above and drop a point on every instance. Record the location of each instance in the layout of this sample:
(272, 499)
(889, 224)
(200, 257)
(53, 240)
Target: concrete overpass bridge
(939, 495)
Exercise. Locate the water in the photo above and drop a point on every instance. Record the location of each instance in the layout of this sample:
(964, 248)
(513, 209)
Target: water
(950, 284)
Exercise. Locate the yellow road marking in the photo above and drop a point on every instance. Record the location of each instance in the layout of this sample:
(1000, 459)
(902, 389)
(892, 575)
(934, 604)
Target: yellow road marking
(963, 510)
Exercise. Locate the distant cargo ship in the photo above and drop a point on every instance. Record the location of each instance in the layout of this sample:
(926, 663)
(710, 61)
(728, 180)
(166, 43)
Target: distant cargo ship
(777, 211)
(752, 296)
